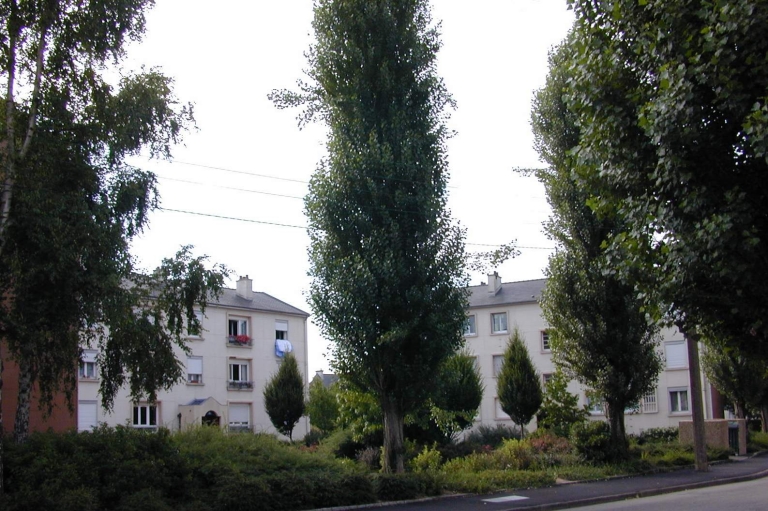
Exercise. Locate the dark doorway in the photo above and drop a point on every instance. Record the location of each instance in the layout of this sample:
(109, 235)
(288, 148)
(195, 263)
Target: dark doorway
(211, 419)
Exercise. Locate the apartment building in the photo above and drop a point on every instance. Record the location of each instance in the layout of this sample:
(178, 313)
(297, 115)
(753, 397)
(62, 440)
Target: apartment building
(496, 308)
(243, 338)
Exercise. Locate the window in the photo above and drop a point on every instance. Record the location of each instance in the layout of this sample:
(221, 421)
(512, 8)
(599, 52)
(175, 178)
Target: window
(87, 369)
(678, 400)
(239, 416)
(545, 379)
(545, 347)
(649, 403)
(498, 361)
(677, 355)
(87, 417)
(499, 323)
(195, 370)
(281, 330)
(469, 326)
(500, 414)
(237, 332)
(196, 331)
(595, 403)
(145, 416)
(239, 375)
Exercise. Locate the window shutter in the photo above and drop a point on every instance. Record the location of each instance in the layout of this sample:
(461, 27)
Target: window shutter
(281, 326)
(239, 413)
(89, 356)
(195, 365)
(86, 415)
(677, 355)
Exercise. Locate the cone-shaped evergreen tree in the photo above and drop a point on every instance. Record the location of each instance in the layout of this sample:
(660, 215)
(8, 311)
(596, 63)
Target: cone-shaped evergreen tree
(518, 385)
(284, 396)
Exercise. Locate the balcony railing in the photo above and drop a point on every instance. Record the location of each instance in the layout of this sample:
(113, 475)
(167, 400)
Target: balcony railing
(239, 385)
(239, 428)
(239, 340)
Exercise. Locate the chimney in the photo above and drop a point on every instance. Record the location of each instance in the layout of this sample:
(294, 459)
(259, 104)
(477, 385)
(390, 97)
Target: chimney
(494, 283)
(245, 288)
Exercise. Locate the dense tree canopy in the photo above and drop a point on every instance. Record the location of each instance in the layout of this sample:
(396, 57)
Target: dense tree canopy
(386, 261)
(600, 333)
(671, 102)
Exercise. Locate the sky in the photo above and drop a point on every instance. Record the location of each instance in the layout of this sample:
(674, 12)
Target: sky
(234, 188)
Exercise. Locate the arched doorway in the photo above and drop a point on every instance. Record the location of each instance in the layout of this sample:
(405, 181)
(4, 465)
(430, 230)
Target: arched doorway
(211, 419)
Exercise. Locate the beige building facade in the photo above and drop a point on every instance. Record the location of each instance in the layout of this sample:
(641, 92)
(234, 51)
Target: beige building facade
(243, 339)
(496, 308)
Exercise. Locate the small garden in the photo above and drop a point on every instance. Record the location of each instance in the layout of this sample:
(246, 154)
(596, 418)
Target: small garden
(206, 469)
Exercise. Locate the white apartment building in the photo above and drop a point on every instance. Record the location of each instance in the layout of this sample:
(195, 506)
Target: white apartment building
(243, 338)
(496, 308)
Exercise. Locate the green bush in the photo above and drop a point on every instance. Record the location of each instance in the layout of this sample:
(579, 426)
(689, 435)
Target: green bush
(391, 487)
(757, 440)
(592, 440)
(493, 436)
(340, 444)
(495, 480)
(663, 435)
(428, 460)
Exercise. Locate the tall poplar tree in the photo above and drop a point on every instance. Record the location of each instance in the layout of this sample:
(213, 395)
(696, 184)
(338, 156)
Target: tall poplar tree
(386, 261)
(600, 333)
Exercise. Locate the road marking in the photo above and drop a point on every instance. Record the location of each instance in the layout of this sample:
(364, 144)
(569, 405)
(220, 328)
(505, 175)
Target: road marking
(501, 500)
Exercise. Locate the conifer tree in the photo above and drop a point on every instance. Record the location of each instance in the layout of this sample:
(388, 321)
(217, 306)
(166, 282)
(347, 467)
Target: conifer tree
(519, 385)
(284, 396)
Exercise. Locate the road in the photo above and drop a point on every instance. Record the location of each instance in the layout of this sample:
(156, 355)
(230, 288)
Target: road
(747, 496)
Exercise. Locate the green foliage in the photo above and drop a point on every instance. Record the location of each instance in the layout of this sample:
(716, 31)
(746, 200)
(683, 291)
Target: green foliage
(601, 334)
(671, 97)
(386, 261)
(518, 385)
(489, 481)
(284, 396)
(654, 435)
(492, 436)
(560, 409)
(392, 487)
(458, 395)
(592, 440)
(741, 378)
(323, 405)
(758, 440)
(361, 414)
(428, 460)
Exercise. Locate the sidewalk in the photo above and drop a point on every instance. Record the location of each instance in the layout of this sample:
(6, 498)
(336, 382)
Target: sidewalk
(569, 495)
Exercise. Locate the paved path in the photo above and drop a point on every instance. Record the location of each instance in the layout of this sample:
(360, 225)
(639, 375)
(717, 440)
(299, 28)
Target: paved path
(580, 494)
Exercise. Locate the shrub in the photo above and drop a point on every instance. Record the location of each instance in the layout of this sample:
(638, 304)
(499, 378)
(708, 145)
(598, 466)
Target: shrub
(665, 435)
(495, 480)
(757, 440)
(427, 461)
(391, 487)
(370, 458)
(314, 437)
(493, 436)
(340, 444)
(593, 441)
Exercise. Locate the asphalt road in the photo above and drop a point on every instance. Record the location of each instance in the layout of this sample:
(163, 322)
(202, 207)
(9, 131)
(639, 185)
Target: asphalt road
(747, 496)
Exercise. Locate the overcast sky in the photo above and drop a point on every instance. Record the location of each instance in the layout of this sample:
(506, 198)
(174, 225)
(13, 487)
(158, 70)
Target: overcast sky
(249, 163)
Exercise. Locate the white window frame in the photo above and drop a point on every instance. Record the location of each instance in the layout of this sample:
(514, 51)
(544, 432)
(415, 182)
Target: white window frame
(88, 368)
(141, 416)
(595, 404)
(546, 347)
(241, 383)
(674, 364)
(650, 402)
(498, 362)
(470, 326)
(281, 329)
(676, 403)
(545, 379)
(238, 326)
(199, 335)
(195, 370)
(495, 315)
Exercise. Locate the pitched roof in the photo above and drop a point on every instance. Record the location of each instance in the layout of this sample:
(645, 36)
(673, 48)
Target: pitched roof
(511, 293)
(260, 302)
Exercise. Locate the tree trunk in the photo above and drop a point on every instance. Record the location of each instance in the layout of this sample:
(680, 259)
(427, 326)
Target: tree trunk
(697, 406)
(394, 447)
(21, 426)
(763, 420)
(618, 431)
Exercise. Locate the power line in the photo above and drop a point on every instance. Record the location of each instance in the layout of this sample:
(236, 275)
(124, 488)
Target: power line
(223, 217)
(229, 188)
(241, 172)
